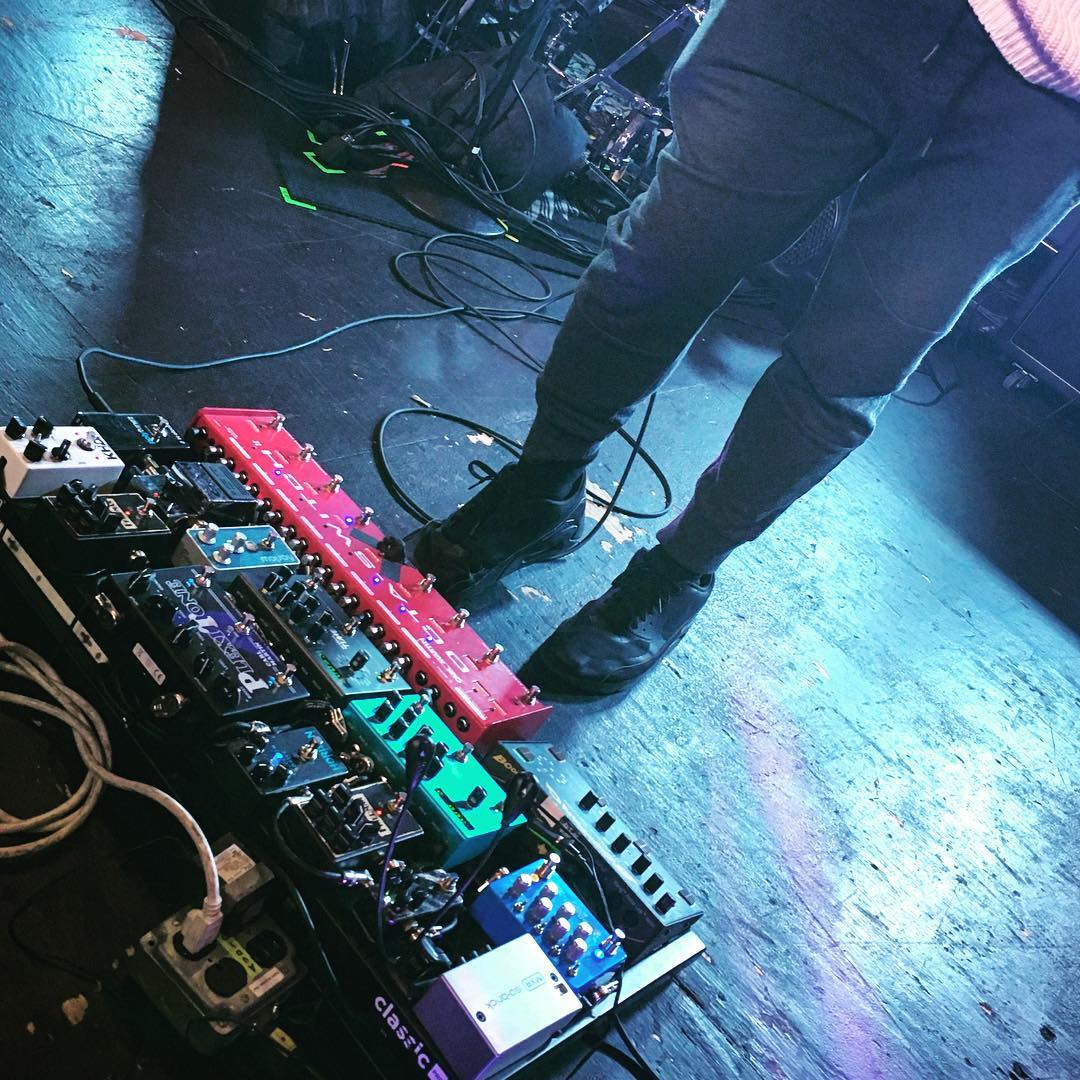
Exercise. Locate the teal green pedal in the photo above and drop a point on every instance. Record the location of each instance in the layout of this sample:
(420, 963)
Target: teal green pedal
(458, 798)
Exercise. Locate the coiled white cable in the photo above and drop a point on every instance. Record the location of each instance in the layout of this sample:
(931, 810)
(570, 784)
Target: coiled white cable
(60, 702)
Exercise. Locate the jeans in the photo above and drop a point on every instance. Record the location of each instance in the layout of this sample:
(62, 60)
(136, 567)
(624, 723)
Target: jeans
(778, 106)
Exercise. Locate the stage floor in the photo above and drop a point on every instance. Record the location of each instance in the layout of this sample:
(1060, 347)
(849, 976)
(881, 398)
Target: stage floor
(864, 757)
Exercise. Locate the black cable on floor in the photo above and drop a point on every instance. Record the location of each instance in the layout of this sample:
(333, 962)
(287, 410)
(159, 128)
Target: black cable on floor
(401, 496)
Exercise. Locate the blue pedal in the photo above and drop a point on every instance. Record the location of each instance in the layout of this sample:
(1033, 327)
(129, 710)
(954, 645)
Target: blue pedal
(231, 550)
(536, 900)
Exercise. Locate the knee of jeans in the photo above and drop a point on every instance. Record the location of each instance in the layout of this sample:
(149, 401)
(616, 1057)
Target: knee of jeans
(840, 420)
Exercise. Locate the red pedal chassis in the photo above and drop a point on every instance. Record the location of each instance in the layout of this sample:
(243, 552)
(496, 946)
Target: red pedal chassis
(397, 606)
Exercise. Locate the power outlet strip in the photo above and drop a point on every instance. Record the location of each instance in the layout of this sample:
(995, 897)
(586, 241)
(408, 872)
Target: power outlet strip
(38, 459)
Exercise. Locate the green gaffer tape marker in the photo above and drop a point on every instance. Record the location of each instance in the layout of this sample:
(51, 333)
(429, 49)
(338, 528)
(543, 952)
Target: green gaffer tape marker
(310, 155)
(312, 139)
(295, 202)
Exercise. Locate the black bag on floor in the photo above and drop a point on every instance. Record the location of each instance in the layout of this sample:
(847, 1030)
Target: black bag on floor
(532, 142)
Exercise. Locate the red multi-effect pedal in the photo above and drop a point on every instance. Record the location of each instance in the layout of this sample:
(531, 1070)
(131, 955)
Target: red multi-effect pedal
(393, 603)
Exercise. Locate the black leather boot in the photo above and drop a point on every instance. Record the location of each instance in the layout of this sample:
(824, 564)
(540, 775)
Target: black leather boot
(616, 638)
(524, 514)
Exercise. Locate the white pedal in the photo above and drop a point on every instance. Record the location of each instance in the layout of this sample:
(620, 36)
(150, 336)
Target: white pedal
(37, 458)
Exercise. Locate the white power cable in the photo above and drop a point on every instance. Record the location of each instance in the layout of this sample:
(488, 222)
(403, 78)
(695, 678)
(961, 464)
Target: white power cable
(92, 742)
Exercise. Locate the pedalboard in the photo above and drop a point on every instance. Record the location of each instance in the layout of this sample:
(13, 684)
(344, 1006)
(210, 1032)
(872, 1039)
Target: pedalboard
(191, 639)
(319, 697)
(472, 688)
(457, 796)
(36, 458)
(537, 900)
(335, 656)
(646, 901)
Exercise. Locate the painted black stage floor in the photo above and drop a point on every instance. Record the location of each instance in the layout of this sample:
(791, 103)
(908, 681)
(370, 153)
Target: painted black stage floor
(864, 757)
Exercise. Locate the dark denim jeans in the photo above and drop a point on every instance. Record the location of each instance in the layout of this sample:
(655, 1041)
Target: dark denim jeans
(778, 106)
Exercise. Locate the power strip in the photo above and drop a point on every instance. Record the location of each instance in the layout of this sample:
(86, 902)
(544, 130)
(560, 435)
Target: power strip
(38, 459)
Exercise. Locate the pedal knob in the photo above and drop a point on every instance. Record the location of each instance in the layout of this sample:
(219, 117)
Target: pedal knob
(538, 911)
(61, 451)
(307, 452)
(492, 655)
(34, 451)
(555, 931)
(15, 429)
(532, 696)
(42, 427)
(459, 619)
(612, 943)
(549, 866)
(392, 670)
(476, 797)
(520, 885)
(386, 708)
(227, 691)
(574, 950)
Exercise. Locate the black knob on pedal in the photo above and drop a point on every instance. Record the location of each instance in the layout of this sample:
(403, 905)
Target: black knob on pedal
(34, 451)
(386, 708)
(160, 607)
(42, 427)
(15, 429)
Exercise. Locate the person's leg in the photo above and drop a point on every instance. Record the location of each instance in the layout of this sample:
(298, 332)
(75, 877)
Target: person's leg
(986, 179)
(753, 162)
(926, 233)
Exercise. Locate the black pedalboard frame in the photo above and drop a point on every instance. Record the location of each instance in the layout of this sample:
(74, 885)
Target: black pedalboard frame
(380, 1024)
